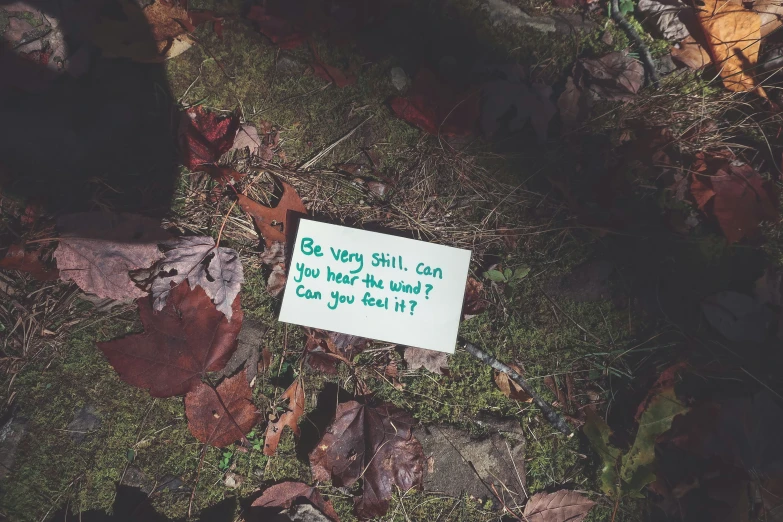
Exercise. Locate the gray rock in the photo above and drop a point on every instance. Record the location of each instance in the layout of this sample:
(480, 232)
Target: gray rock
(458, 463)
(502, 12)
(11, 435)
(398, 78)
(306, 513)
(170, 483)
(84, 421)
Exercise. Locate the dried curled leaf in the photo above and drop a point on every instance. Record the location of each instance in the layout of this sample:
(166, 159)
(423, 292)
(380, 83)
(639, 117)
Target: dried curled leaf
(296, 403)
(217, 270)
(560, 506)
(221, 415)
(98, 249)
(180, 344)
(509, 388)
(285, 494)
(431, 360)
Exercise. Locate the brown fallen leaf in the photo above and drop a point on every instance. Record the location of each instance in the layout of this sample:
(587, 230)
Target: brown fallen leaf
(473, 304)
(180, 344)
(733, 36)
(296, 403)
(17, 259)
(326, 349)
(560, 506)
(98, 249)
(208, 419)
(217, 270)
(265, 218)
(509, 388)
(733, 193)
(374, 443)
(285, 494)
(614, 76)
(266, 360)
(691, 53)
(431, 360)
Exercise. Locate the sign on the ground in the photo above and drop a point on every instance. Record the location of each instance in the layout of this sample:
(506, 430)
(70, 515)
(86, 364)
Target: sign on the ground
(375, 285)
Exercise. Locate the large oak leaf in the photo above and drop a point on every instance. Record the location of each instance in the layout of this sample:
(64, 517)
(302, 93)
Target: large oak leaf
(222, 415)
(217, 270)
(375, 443)
(188, 338)
(265, 217)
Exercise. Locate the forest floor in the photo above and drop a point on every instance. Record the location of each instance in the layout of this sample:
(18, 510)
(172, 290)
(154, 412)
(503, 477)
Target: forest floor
(600, 269)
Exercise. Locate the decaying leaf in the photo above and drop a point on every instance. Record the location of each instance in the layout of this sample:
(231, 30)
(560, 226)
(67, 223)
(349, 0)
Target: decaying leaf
(205, 136)
(733, 193)
(328, 72)
(431, 360)
(326, 349)
(509, 388)
(285, 494)
(266, 218)
(294, 411)
(691, 53)
(98, 249)
(637, 468)
(217, 270)
(598, 433)
(614, 76)
(668, 15)
(373, 443)
(733, 36)
(182, 342)
(208, 419)
(560, 506)
(627, 474)
(16, 258)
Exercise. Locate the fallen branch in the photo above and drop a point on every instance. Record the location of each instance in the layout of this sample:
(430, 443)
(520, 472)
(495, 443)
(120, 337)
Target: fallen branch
(644, 51)
(549, 413)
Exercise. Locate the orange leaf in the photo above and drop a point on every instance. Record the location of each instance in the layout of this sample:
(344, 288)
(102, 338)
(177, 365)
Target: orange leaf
(265, 216)
(509, 388)
(296, 403)
(733, 39)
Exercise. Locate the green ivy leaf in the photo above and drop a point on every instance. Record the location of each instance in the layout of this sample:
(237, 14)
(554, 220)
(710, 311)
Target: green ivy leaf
(521, 272)
(598, 433)
(495, 275)
(638, 464)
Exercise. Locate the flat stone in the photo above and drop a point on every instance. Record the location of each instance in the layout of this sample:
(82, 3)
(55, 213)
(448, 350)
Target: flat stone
(502, 12)
(398, 78)
(458, 463)
(306, 513)
(11, 434)
(136, 478)
(84, 421)
(170, 483)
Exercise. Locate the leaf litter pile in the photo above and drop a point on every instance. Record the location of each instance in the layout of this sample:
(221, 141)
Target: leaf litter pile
(677, 208)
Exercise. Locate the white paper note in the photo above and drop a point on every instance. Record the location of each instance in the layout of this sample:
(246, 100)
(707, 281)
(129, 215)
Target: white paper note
(376, 286)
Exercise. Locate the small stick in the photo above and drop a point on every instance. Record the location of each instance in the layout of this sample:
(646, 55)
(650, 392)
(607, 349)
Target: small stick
(644, 51)
(329, 148)
(549, 413)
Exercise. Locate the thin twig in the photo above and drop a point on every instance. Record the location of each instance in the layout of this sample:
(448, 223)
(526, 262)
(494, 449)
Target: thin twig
(549, 413)
(198, 476)
(644, 51)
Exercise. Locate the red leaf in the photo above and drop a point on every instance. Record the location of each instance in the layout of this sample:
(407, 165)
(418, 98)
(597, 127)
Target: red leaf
(733, 193)
(17, 259)
(375, 444)
(188, 338)
(285, 494)
(205, 136)
(208, 419)
(437, 107)
(296, 402)
(263, 216)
